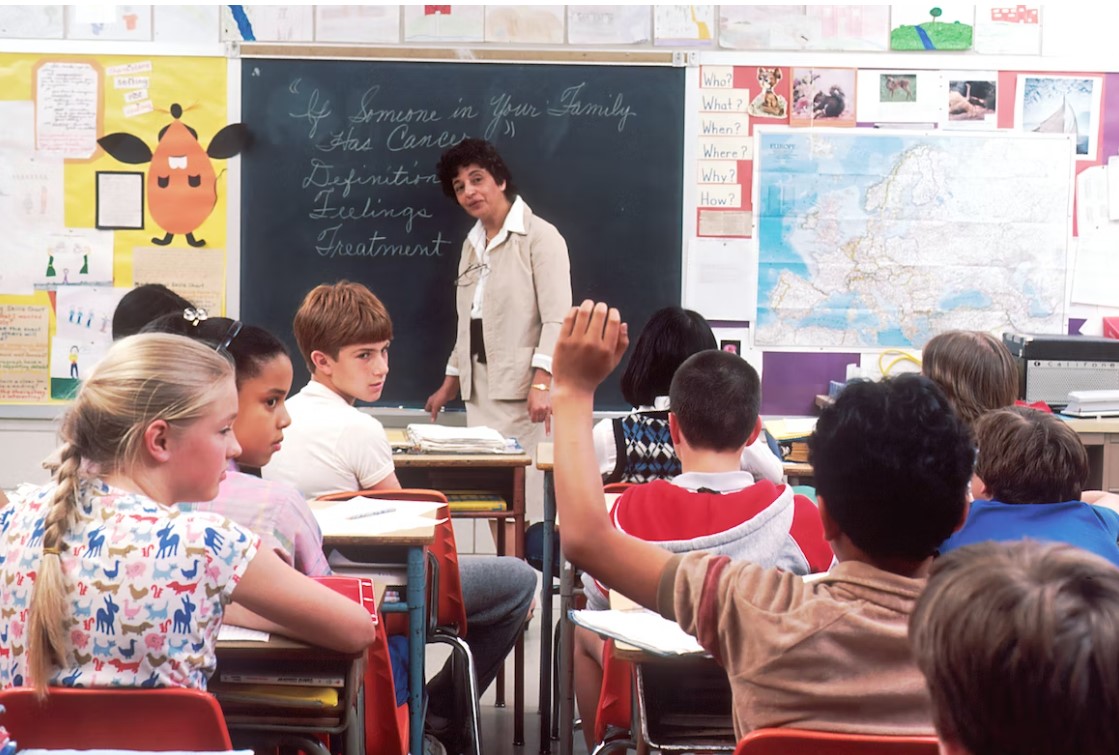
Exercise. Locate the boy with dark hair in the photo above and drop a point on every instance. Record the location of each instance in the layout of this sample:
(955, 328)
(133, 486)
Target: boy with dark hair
(1029, 474)
(1019, 644)
(343, 331)
(892, 463)
(713, 505)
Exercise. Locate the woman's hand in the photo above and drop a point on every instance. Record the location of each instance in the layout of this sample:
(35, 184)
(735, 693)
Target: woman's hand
(540, 405)
(446, 393)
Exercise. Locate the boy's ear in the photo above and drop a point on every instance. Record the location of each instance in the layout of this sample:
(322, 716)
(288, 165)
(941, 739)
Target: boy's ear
(322, 362)
(757, 431)
(979, 489)
(831, 529)
(674, 429)
(157, 440)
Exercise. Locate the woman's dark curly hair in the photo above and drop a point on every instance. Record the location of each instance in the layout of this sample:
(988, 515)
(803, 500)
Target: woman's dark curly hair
(474, 152)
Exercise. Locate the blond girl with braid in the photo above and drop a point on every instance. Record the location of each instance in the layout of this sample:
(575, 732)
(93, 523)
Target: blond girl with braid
(102, 580)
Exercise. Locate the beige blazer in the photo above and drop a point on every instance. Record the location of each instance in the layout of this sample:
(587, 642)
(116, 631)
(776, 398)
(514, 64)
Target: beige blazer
(527, 294)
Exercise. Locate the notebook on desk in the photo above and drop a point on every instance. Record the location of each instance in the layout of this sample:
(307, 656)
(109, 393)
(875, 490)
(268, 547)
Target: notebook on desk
(642, 629)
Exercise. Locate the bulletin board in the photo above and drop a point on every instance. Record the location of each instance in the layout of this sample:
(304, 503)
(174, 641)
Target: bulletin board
(871, 202)
(80, 226)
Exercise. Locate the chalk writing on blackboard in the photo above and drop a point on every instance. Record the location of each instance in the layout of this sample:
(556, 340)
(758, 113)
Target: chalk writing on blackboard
(336, 194)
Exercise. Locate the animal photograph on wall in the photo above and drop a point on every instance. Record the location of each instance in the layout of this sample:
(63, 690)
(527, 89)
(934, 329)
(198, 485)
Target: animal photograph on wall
(823, 97)
(771, 101)
(182, 181)
(973, 101)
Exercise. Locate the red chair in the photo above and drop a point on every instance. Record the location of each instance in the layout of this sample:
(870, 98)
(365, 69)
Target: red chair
(447, 614)
(115, 719)
(802, 742)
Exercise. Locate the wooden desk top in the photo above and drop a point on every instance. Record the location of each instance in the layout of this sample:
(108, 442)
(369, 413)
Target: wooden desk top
(279, 646)
(545, 456)
(417, 459)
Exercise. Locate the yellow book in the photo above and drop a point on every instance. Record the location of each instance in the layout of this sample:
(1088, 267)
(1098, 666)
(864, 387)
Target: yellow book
(281, 695)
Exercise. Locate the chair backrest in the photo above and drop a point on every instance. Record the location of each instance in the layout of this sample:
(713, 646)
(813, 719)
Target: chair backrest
(451, 610)
(801, 742)
(168, 718)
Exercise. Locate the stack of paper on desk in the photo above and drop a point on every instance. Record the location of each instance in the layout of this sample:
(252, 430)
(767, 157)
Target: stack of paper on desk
(644, 629)
(440, 438)
(1103, 403)
(370, 517)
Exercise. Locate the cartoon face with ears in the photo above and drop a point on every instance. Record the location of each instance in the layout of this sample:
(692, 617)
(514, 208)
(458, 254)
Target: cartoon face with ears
(182, 183)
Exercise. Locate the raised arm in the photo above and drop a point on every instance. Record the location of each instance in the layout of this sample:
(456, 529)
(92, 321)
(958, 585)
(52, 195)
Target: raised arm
(591, 343)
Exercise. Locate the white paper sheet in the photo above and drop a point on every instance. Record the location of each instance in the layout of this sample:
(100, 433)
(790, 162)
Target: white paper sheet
(120, 199)
(370, 517)
(357, 23)
(608, 24)
(67, 98)
(105, 21)
(640, 628)
(75, 256)
(444, 23)
(722, 279)
(1096, 276)
(31, 22)
(525, 24)
(231, 632)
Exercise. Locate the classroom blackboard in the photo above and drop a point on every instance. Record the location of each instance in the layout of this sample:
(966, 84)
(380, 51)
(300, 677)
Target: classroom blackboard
(339, 182)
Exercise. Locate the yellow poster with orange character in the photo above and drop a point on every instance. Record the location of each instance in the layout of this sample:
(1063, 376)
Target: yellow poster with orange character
(103, 157)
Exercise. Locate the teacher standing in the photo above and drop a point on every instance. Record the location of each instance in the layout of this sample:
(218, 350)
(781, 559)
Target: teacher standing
(512, 292)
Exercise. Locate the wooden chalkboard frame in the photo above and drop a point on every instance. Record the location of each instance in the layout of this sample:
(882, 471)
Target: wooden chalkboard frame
(668, 270)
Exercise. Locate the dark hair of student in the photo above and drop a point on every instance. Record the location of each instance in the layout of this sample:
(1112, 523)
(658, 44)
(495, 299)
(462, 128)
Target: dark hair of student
(672, 335)
(715, 396)
(1027, 456)
(250, 347)
(143, 304)
(473, 152)
(892, 462)
(1019, 645)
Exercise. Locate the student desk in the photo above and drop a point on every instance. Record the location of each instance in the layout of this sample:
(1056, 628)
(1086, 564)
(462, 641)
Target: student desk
(503, 474)
(660, 682)
(273, 658)
(545, 461)
(407, 547)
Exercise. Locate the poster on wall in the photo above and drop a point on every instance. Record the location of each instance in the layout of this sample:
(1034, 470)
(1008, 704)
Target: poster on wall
(58, 184)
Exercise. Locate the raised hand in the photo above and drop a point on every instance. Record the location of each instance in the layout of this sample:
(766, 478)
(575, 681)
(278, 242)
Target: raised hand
(592, 340)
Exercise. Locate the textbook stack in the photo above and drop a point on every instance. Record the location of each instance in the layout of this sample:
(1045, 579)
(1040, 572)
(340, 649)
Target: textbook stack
(460, 440)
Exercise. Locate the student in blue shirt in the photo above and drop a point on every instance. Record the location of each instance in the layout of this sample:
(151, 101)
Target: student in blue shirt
(1029, 474)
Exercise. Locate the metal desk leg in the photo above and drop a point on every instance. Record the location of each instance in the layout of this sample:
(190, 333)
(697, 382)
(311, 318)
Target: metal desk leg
(417, 639)
(546, 616)
(567, 655)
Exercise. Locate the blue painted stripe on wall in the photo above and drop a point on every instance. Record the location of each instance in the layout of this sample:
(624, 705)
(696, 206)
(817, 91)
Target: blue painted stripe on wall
(243, 24)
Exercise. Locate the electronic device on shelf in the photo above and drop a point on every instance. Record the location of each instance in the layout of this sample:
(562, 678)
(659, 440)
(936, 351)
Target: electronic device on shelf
(1050, 367)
